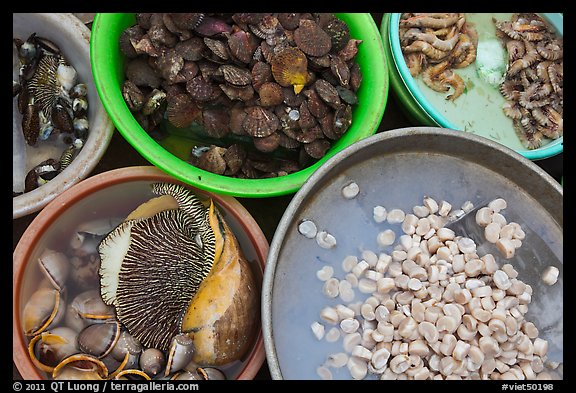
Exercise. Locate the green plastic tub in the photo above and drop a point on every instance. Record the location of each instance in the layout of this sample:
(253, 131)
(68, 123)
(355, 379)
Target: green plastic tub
(425, 107)
(107, 65)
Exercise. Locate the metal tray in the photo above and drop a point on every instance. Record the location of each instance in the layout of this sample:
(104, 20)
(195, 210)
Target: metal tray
(396, 169)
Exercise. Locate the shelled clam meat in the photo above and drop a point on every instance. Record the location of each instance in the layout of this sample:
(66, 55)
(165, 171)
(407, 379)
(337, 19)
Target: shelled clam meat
(533, 85)
(164, 293)
(432, 304)
(434, 45)
(53, 106)
(264, 95)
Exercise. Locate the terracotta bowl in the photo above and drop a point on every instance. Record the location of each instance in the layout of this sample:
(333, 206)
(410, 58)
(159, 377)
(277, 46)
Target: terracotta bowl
(106, 195)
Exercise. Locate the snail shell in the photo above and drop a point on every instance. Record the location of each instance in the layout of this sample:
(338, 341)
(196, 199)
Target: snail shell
(225, 305)
(80, 367)
(99, 339)
(56, 266)
(47, 349)
(180, 353)
(203, 286)
(44, 309)
(152, 361)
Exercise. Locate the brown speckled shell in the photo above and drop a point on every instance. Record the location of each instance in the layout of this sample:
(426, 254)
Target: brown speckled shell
(311, 39)
(318, 148)
(268, 143)
(270, 94)
(216, 122)
(181, 110)
(200, 90)
(260, 122)
(213, 160)
(289, 67)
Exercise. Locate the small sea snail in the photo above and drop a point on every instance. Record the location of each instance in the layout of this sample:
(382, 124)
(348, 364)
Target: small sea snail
(174, 266)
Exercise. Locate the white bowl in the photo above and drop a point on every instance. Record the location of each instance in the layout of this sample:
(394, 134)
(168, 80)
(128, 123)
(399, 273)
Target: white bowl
(73, 38)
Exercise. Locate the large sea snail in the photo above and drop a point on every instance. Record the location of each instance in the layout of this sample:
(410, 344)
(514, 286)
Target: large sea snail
(174, 266)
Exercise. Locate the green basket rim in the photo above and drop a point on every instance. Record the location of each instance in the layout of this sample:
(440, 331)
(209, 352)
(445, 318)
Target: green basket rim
(374, 71)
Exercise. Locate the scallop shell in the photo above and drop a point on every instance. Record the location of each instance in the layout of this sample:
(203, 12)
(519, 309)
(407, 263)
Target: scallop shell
(140, 73)
(318, 148)
(309, 135)
(169, 64)
(290, 68)
(350, 50)
(342, 119)
(316, 105)
(237, 116)
(268, 143)
(200, 89)
(211, 26)
(347, 95)
(168, 20)
(270, 94)
(311, 39)
(127, 39)
(338, 32)
(306, 119)
(213, 160)
(235, 75)
(159, 34)
(191, 49)
(327, 126)
(240, 93)
(242, 45)
(234, 157)
(340, 69)
(187, 20)
(355, 77)
(288, 142)
(146, 47)
(260, 122)
(216, 122)
(261, 73)
(289, 21)
(327, 92)
(291, 98)
(181, 110)
(218, 48)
